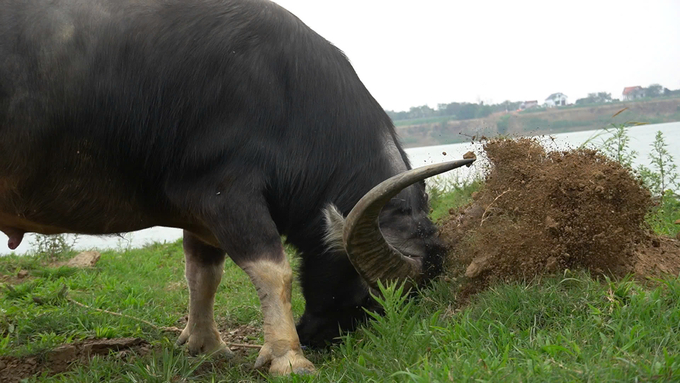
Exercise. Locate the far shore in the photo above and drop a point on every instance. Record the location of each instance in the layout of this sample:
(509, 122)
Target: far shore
(538, 121)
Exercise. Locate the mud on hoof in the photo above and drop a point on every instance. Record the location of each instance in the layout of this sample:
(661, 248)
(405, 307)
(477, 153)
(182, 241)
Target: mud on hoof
(204, 340)
(284, 362)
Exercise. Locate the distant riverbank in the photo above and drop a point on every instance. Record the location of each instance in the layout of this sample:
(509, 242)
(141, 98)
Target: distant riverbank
(440, 131)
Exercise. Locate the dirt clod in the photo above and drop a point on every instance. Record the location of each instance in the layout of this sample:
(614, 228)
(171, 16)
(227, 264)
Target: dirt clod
(61, 354)
(543, 212)
(85, 259)
(104, 346)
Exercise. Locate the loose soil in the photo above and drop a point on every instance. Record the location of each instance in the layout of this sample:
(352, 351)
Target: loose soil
(20, 277)
(542, 212)
(61, 359)
(14, 369)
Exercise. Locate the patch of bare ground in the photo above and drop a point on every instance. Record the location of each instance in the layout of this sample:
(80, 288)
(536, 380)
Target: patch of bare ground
(243, 335)
(658, 258)
(82, 260)
(14, 369)
(20, 277)
(543, 212)
(241, 339)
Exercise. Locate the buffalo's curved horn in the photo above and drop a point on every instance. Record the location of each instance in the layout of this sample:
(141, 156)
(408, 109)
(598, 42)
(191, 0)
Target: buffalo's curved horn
(372, 256)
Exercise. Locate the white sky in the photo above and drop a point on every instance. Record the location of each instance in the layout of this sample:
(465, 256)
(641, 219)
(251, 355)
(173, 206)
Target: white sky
(417, 52)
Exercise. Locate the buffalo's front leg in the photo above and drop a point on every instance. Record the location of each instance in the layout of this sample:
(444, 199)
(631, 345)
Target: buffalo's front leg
(273, 281)
(238, 217)
(204, 268)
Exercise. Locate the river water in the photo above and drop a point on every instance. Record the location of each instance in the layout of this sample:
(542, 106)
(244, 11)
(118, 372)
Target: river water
(641, 138)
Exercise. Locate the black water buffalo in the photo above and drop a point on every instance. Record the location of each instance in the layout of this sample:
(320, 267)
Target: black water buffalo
(230, 119)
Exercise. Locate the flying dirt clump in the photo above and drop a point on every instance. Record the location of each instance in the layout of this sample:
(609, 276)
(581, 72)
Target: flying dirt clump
(541, 212)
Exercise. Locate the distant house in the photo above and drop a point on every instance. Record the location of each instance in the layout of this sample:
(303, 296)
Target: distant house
(633, 92)
(528, 104)
(556, 99)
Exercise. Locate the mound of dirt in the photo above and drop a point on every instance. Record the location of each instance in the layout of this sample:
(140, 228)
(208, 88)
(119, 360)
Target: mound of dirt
(541, 212)
(15, 369)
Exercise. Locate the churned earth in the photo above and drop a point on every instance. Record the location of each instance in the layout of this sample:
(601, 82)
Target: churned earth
(542, 212)
(14, 369)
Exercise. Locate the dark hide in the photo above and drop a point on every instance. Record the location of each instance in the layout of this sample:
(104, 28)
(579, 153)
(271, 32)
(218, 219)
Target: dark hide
(230, 119)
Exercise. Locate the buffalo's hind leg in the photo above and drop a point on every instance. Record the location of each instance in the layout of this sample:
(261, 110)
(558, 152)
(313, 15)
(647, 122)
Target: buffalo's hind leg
(204, 268)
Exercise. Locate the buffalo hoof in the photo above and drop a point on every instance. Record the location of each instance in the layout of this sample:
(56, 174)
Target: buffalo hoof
(202, 340)
(284, 363)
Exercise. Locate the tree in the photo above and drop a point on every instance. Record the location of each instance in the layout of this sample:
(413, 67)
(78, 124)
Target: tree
(483, 111)
(654, 90)
(604, 97)
(595, 98)
(468, 111)
(421, 111)
(450, 109)
(503, 124)
(454, 110)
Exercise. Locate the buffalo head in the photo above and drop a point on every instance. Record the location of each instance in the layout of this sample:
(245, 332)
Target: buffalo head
(386, 238)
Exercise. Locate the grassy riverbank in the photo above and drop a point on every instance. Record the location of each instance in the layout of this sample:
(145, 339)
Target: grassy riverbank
(563, 328)
(559, 329)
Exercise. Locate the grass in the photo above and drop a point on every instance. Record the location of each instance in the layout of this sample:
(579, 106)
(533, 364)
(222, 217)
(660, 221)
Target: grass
(559, 329)
(663, 217)
(424, 120)
(567, 328)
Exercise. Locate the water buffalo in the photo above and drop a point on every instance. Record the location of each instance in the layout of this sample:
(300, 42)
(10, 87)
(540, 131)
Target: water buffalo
(230, 119)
